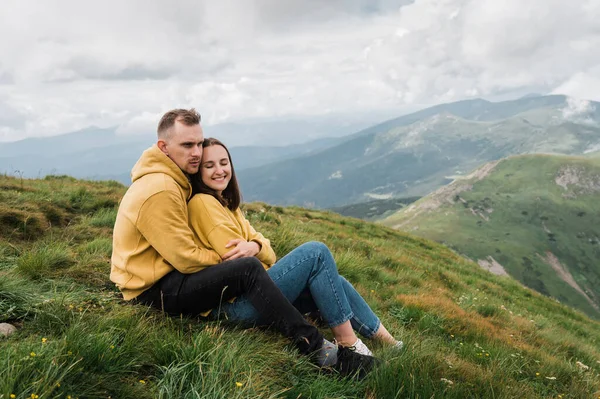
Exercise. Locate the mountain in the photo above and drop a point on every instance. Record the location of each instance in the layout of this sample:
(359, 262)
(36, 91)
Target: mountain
(284, 132)
(374, 210)
(88, 153)
(418, 153)
(102, 154)
(467, 332)
(535, 217)
(245, 157)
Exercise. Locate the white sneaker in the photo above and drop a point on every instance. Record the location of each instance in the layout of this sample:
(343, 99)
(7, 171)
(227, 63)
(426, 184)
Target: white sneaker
(360, 347)
(399, 345)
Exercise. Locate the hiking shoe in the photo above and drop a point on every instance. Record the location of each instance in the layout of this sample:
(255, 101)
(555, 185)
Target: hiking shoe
(327, 355)
(352, 363)
(361, 348)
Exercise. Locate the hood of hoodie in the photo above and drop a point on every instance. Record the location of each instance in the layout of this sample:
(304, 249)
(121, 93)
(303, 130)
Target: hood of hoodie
(153, 160)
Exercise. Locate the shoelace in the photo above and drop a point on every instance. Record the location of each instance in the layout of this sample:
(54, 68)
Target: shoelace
(351, 347)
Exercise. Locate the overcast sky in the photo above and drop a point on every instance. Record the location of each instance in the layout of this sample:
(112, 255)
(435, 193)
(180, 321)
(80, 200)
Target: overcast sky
(66, 65)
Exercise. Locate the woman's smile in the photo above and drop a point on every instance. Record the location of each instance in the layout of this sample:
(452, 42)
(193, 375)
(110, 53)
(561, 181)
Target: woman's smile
(215, 169)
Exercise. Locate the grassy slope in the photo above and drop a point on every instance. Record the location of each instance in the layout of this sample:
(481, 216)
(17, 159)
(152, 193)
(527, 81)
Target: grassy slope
(488, 335)
(529, 215)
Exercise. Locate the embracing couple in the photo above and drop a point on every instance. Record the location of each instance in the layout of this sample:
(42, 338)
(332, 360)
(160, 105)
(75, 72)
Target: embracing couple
(181, 244)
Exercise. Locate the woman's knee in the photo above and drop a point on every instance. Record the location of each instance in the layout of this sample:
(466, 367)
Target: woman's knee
(325, 258)
(317, 247)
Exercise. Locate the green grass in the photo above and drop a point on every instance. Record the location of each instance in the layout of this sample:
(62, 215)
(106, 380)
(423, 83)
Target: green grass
(526, 215)
(44, 259)
(105, 217)
(468, 334)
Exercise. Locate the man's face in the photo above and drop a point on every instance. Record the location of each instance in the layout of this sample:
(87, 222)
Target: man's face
(184, 147)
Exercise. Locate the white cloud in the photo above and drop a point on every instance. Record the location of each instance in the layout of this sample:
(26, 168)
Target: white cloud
(140, 124)
(70, 64)
(577, 108)
(582, 85)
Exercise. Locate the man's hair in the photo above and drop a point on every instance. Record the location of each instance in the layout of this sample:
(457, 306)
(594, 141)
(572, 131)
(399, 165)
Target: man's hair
(188, 117)
(231, 196)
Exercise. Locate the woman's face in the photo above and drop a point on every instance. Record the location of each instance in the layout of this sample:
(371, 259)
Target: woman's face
(215, 168)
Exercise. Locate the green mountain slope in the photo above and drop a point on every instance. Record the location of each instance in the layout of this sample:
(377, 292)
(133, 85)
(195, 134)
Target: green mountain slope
(374, 210)
(416, 154)
(468, 333)
(535, 217)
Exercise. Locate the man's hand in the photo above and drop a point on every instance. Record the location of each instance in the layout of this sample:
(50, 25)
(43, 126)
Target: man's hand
(243, 249)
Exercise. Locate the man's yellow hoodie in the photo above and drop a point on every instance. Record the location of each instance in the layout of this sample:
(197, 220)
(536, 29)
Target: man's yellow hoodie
(152, 236)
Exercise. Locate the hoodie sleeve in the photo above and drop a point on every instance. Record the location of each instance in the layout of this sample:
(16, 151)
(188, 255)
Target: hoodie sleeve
(163, 221)
(213, 223)
(266, 254)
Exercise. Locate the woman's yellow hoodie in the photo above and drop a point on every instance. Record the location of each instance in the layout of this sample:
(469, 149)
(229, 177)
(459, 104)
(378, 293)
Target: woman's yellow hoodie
(152, 236)
(215, 225)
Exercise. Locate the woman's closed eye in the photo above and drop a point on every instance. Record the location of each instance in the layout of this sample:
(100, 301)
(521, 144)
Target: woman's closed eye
(209, 165)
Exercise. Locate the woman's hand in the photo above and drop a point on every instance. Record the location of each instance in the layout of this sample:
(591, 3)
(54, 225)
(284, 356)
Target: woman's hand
(243, 249)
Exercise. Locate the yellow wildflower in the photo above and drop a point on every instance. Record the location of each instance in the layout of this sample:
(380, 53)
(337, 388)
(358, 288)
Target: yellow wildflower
(71, 306)
(451, 335)
(112, 347)
(69, 353)
(238, 384)
(58, 384)
(34, 396)
(13, 396)
(44, 340)
(32, 354)
(537, 374)
(142, 382)
(487, 354)
(68, 396)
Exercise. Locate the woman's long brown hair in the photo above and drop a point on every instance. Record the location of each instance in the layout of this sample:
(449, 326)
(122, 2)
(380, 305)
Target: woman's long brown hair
(230, 197)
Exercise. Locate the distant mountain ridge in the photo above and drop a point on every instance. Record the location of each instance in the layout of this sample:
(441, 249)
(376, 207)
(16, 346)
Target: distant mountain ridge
(417, 153)
(375, 209)
(103, 154)
(535, 217)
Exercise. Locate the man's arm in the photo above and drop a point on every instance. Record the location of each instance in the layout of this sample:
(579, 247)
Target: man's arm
(163, 221)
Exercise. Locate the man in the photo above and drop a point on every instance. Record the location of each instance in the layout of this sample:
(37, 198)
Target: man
(156, 261)
(151, 235)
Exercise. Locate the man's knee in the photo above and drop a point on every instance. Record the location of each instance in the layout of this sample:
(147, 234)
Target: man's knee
(252, 265)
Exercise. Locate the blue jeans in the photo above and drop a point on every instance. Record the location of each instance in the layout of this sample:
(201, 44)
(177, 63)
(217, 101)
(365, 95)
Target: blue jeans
(308, 278)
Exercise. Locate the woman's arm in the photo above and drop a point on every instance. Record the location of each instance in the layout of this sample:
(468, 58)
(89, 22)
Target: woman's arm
(212, 224)
(266, 254)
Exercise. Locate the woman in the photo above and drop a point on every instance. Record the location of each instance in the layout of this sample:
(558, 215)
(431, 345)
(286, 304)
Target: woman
(307, 276)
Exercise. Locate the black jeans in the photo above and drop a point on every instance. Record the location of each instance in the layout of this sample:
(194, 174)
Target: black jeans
(191, 294)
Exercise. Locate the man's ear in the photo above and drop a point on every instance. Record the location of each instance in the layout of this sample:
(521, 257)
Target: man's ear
(162, 145)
